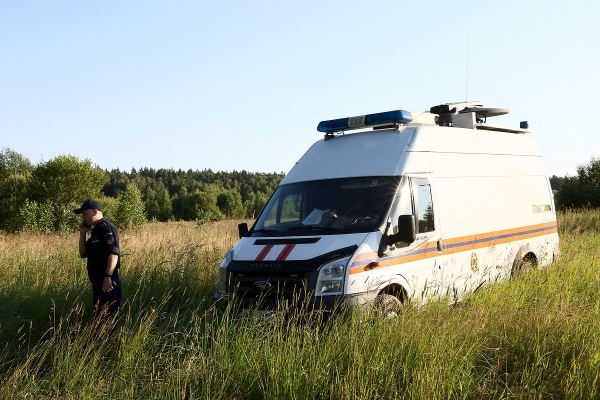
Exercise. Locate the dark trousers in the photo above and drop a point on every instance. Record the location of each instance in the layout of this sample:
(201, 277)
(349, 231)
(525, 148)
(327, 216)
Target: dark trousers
(106, 303)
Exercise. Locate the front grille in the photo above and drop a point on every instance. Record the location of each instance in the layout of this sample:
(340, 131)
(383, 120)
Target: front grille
(269, 289)
(268, 284)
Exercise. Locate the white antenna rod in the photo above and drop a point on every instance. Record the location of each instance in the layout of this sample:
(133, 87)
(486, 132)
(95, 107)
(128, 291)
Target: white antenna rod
(467, 75)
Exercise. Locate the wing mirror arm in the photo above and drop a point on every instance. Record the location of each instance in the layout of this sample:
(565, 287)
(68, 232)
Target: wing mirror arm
(407, 233)
(383, 243)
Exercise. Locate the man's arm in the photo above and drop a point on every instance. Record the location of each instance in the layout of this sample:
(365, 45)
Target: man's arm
(83, 230)
(107, 285)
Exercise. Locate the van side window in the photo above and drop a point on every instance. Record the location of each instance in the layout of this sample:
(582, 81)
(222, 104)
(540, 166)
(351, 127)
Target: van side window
(423, 205)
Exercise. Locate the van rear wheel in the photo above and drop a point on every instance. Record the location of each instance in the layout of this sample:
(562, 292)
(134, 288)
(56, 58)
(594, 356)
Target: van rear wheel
(527, 264)
(388, 305)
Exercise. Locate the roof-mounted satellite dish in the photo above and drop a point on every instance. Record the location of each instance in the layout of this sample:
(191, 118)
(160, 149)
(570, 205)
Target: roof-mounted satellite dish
(485, 112)
(447, 113)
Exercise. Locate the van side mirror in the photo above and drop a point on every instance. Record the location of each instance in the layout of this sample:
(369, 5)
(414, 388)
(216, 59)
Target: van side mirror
(406, 234)
(242, 229)
(406, 229)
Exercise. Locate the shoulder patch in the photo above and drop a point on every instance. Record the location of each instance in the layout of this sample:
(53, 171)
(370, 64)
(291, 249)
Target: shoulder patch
(101, 226)
(110, 238)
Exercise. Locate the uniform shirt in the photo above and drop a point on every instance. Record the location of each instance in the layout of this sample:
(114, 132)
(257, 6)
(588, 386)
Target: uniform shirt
(103, 241)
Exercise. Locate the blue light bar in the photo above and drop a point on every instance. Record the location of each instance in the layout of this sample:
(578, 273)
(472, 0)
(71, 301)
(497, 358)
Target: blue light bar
(362, 121)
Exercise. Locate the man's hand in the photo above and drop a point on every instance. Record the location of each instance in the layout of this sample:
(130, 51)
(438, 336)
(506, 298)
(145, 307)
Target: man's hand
(107, 285)
(83, 228)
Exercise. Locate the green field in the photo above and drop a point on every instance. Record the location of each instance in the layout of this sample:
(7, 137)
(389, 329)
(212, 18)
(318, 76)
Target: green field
(537, 336)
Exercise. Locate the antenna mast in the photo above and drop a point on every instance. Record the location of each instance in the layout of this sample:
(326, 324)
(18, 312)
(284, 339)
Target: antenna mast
(468, 50)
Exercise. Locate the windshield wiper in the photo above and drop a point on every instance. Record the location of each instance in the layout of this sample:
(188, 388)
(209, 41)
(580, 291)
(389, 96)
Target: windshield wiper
(317, 228)
(269, 231)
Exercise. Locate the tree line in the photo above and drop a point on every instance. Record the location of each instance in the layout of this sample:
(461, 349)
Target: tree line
(41, 197)
(580, 191)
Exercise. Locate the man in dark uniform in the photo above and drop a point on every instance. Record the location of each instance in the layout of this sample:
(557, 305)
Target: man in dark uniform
(103, 257)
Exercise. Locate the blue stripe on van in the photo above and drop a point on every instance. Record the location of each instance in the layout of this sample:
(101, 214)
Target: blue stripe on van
(454, 245)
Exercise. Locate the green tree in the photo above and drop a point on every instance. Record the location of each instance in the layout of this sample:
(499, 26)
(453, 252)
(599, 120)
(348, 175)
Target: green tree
(555, 182)
(66, 179)
(255, 203)
(130, 208)
(165, 208)
(230, 204)
(13, 162)
(582, 190)
(198, 205)
(151, 204)
(204, 207)
(35, 217)
(109, 207)
(15, 175)
(157, 202)
(179, 206)
(63, 217)
(589, 174)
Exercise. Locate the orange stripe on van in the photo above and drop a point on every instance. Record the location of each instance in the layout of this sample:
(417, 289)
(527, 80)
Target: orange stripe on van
(368, 261)
(494, 242)
(370, 255)
(497, 233)
(365, 256)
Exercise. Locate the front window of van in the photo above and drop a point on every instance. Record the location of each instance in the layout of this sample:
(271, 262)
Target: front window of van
(332, 206)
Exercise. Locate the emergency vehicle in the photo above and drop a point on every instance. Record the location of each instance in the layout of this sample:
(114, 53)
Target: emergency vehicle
(397, 206)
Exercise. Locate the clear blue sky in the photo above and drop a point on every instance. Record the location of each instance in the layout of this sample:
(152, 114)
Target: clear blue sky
(242, 85)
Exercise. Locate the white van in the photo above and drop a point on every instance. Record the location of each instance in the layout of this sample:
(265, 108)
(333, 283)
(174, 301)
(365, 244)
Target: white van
(411, 207)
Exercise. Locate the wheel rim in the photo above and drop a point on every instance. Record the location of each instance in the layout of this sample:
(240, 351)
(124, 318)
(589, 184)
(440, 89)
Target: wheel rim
(389, 306)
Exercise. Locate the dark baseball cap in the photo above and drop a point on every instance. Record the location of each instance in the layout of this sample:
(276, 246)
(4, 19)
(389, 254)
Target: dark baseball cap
(89, 204)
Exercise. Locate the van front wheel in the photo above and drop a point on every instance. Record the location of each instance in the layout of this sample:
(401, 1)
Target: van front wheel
(388, 305)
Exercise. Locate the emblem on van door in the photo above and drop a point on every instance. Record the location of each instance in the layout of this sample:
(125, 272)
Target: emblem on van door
(262, 285)
(474, 262)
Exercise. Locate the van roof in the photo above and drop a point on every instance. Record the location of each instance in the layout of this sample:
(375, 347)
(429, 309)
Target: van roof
(371, 153)
(384, 152)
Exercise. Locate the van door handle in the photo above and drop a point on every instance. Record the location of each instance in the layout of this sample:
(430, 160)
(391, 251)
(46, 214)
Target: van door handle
(440, 245)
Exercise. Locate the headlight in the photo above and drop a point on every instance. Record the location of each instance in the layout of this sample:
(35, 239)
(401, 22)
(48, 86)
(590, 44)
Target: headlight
(222, 287)
(331, 277)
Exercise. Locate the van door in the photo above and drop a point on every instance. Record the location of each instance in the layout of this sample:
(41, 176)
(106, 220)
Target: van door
(422, 262)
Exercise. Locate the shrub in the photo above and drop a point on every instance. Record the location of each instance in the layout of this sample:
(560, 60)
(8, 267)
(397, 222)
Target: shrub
(230, 204)
(130, 208)
(109, 207)
(35, 217)
(65, 179)
(15, 173)
(64, 218)
(581, 191)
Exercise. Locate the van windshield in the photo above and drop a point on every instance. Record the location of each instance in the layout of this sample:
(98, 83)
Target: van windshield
(332, 206)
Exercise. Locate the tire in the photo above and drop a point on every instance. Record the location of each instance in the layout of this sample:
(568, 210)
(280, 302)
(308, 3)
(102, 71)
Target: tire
(388, 305)
(524, 266)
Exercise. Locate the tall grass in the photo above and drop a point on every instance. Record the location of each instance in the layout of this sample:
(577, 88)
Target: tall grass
(533, 337)
(579, 221)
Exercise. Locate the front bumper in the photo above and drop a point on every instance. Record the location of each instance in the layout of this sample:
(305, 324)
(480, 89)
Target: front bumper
(324, 303)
